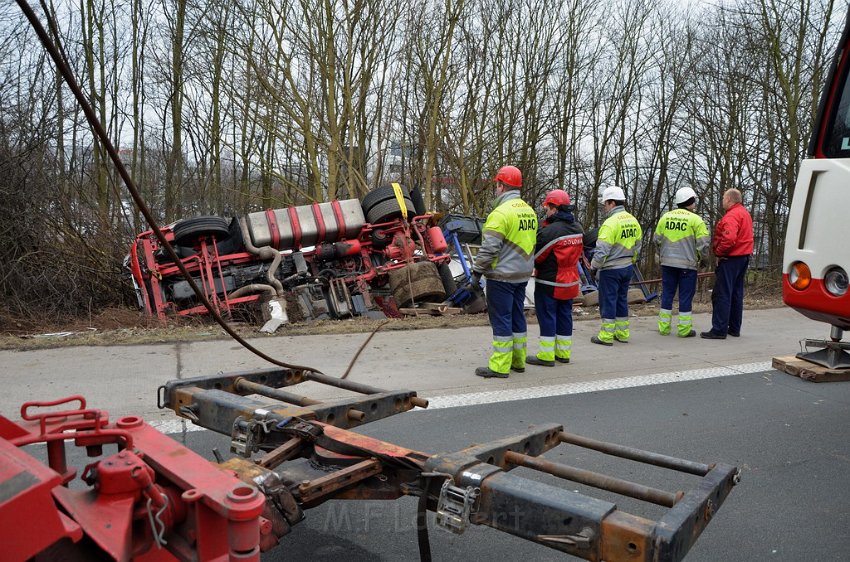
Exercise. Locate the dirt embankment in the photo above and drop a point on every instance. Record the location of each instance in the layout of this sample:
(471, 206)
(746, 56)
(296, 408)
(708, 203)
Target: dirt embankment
(124, 326)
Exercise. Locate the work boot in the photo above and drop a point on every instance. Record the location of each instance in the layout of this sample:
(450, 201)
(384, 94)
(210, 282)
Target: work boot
(562, 359)
(712, 336)
(539, 362)
(596, 340)
(690, 334)
(734, 334)
(519, 369)
(619, 340)
(489, 373)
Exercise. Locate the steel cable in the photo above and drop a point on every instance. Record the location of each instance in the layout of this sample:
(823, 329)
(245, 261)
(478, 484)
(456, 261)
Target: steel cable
(102, 136)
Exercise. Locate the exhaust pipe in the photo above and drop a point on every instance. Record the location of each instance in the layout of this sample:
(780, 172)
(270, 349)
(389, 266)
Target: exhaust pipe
(264, 253)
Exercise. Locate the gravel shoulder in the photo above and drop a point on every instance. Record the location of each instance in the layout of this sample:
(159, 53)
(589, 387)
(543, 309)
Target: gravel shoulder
(124, 326)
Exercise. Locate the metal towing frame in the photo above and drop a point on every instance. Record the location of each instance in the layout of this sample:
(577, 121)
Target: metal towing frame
(164, 502)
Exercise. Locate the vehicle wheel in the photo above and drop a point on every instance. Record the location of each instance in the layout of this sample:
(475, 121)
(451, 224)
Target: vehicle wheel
(388, 210)
(380, 194)
(187, 231)
(447, 278)
(417, 282)
(384, 197)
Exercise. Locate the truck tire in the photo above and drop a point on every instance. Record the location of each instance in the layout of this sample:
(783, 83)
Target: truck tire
(417, 282)
(380, 194)
(381, 205)
(187, 231)
(388, 210)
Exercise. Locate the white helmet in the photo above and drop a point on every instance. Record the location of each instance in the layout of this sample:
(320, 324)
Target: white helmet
(612, 192)
(684, 194)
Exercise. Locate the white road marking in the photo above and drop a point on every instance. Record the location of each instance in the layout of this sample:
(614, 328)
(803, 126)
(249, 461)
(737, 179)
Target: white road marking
(475, 398)
(494, 396)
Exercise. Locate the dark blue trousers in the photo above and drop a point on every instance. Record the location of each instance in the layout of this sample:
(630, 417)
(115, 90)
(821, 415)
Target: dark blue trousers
(554, 316)
(614, 292)
(505, 307)
(678, 279)
(727, 298)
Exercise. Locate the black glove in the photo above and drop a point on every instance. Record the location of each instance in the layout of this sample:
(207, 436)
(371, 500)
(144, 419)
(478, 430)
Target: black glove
(703, 263)
(474, 282)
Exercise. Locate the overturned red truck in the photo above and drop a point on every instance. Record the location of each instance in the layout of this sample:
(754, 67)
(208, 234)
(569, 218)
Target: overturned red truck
(323, 260)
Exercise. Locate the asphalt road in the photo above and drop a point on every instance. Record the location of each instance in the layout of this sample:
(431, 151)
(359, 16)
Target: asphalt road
(706, 401)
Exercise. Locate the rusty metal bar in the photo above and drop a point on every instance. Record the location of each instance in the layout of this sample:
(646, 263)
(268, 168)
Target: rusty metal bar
(355, 415)
(639, 455)
(280, 454)
(700, 275)
(246, 386)
(314, 489)
(249, 387)
(356, 386)
(609, 483)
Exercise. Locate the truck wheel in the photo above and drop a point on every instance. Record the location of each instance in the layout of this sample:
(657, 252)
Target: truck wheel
(417, 282)
(380, 194)
(388, 210)
(187, 231)
(381, 205)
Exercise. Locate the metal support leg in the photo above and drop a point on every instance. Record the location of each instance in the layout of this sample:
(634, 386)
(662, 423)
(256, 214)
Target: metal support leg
(833, 354)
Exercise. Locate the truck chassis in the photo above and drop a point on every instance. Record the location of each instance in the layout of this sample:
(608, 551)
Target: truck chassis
(154, 499)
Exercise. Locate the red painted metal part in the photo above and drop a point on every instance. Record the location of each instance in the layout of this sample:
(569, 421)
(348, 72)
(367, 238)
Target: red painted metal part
(152, 500)
(817, 303)
(208, 266)
(29, 520)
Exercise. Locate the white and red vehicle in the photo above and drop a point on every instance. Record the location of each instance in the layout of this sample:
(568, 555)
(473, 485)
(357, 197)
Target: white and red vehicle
(334, 259)
(817, 257)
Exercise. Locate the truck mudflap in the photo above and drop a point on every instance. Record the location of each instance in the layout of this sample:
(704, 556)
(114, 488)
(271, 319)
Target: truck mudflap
(154, 499)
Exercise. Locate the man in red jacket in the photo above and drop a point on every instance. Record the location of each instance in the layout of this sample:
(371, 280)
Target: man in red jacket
(556, 284)
(732, 245)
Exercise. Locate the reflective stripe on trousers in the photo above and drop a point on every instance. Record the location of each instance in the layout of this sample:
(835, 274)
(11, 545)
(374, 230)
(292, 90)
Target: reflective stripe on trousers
(520, 350)
(665, 318)
(547, 348)
(563, 347)
(685, 324)
(606, 333)
(621, 329)
(503, 350)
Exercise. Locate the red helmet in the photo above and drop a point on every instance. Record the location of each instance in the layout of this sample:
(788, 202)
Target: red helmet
(509, 175)
(557, 197)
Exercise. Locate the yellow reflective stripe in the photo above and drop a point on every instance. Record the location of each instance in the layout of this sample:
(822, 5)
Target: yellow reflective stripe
(564, 345)
(503, 346)
(400, 198)
(500, 361)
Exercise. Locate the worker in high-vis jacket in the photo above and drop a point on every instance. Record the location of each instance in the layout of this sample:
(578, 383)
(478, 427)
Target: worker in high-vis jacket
(681, 241)
(617, 249)
(506, 259)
